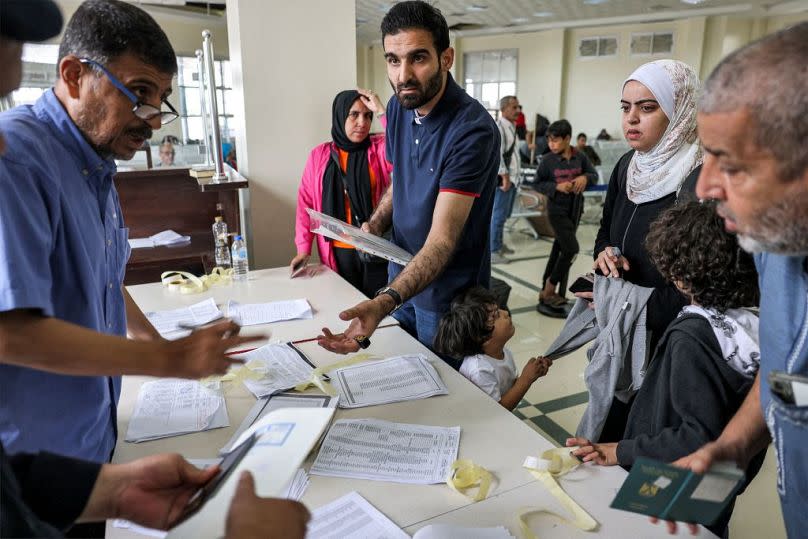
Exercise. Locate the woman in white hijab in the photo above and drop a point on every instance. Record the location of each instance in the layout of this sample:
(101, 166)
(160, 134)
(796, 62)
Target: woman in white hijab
(659, 122)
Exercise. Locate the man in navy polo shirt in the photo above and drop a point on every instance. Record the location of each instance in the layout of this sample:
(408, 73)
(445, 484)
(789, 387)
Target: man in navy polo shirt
(63, 244)
(444, 147)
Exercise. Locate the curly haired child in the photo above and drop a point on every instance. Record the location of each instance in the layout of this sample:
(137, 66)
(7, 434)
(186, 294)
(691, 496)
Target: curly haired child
(706, 361)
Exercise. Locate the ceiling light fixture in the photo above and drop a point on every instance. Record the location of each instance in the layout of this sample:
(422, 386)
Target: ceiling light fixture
(543, 14)
(595, 2)
(476, 7)
(520, 20)
(693, 2)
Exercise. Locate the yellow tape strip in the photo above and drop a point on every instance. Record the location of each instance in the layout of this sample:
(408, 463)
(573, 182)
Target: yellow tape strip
(317, 381)
(552, 464)
(188, 283)
(464, 474)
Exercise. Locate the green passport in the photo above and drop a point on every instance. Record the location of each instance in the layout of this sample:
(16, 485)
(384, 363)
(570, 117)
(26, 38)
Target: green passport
(660, 490)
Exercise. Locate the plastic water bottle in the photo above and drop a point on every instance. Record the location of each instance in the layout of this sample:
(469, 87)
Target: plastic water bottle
(240, 263)
(222, 251)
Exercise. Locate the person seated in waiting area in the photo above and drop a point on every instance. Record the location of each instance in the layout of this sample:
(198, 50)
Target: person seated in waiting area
(604, 135)
(585, 148)
(706, 361)
(476, 330)
(166, 155)
(345, 178)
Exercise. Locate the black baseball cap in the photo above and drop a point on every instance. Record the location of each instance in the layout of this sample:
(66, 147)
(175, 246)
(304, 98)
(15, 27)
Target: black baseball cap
(29, 20)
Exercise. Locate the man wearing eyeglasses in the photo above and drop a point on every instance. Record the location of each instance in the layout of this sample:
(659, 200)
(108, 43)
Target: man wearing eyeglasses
(63, 242)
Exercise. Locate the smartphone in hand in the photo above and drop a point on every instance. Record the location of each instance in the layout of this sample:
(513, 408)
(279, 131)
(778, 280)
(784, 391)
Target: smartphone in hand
(584, 283)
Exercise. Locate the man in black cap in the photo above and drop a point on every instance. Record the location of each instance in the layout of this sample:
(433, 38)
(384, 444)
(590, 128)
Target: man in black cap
(43, 494)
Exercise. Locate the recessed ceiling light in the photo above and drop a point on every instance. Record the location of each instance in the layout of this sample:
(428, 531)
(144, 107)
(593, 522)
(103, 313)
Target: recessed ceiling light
(594, 2)
(543, 14)
(693, 2)
(476, 7)
(520, 20)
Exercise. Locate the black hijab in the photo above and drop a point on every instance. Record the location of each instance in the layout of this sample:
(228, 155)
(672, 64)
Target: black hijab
(356, 178)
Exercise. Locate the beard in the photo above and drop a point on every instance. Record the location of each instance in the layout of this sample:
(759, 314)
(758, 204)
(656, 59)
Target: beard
(780, 229)
(425, 92)
(90, 119)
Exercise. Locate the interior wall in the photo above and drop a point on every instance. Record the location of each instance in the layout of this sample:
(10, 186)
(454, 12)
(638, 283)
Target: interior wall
(185, 34)
(283, 103)
(593, 85)
(553, 80)
(539, 67)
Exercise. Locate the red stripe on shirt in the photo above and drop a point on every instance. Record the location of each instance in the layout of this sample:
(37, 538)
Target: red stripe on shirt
(459, 192)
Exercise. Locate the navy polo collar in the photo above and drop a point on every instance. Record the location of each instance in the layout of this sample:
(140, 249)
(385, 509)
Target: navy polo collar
(50, 110)
(442, 112)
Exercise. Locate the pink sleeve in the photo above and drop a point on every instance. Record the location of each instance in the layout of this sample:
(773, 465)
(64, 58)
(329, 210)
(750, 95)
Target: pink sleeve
(305, 199)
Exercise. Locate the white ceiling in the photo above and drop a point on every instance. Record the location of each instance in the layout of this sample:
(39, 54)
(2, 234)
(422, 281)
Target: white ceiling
(503, 16)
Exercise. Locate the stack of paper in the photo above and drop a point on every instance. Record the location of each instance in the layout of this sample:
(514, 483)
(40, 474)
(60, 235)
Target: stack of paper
(384, 451)
(282, 367)
(250, 314)
(351, 517)
(395, 379)
(297, 486)
(282, 400)
(169, 323)
(166, 237)
(170, 407)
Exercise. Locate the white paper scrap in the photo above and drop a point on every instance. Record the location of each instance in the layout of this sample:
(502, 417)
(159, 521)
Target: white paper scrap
(251, 314)
(384, 451)
(168, 323)
(282, 368)
(351, 517)
(448, 531)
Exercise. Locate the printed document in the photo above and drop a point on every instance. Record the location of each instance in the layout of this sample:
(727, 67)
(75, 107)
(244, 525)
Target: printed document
(328, 226)
(250, 314)
(170, 407)
(447, 531)
(384, 451)
(169, 323)
(351, 517)
(394, 379)
(282, 367)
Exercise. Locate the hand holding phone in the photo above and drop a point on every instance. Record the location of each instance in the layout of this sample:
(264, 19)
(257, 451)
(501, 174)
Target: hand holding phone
(226, 467)
(584, 283)
(298, 266)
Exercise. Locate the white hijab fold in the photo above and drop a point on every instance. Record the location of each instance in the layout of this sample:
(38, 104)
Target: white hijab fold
(661, 171)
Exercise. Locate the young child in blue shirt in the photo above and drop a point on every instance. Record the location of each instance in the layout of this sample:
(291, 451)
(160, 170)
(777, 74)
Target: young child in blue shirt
(476, 330)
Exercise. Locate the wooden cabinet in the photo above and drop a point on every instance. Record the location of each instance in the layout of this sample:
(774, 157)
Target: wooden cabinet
(161, 199)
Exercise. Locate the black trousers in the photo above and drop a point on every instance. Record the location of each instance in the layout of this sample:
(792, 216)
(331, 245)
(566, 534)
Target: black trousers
(565, 248)
(368, 278)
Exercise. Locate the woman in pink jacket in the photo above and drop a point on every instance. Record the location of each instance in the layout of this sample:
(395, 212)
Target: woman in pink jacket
(345, 178)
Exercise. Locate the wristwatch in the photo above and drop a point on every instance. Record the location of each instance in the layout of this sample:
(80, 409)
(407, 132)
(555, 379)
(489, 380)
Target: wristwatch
(393, 294)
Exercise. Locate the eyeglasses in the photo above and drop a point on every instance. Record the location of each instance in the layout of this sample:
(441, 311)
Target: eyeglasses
(142, 110)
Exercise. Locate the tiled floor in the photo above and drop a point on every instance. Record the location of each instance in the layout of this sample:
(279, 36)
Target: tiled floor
(555, 403)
